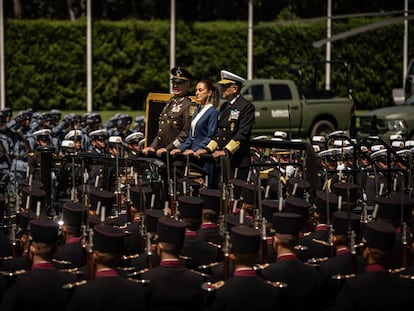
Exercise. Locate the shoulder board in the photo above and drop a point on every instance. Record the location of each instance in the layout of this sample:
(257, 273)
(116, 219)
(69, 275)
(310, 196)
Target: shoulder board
(203, 275)
(261, 267)
(210, 287)
(278, 284)
(139, 281)
(342, 276)
(324, 243)
(210, 265)
(137, 273)
(69, 286)
(12, 274)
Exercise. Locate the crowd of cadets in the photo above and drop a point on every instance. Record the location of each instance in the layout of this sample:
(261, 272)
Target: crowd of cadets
(22, 135)
(306, 226)
(278, 241)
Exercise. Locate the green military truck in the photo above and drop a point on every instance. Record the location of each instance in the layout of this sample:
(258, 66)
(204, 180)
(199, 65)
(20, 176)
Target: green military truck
(281, 106)
(393, 120)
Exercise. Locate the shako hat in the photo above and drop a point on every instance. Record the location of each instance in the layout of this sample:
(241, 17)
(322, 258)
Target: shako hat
(44, 230)
(108, 239)
(245, 239)
(170, 230)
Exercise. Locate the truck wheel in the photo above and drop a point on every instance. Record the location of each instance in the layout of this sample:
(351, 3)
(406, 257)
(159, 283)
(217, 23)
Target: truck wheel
(322, 127)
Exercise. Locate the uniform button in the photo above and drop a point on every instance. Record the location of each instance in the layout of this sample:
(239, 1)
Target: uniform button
(159, 138)
(162, 122)
(224, 129)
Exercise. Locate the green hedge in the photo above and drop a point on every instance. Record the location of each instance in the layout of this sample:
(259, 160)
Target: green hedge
(46, 60)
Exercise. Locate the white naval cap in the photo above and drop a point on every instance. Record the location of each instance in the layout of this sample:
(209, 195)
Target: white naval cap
(228, 77)
(379, 154)
(280, 134)
(376, 148)
(115, 140)
(43, 132)
(67, 144)
(97, 133)
(72, 134)
(134, 136)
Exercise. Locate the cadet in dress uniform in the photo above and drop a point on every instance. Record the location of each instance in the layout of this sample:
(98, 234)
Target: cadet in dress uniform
(209, 230)
(245, 290)
(376, 288)
(196, 249)
(175, 119)
(303, 283)
(133, 144)
(234, 127)
(172, 286)
(42, 286)
(108, 290)
(72, 252)
(43, 139)
(98, 147)
(346, 261)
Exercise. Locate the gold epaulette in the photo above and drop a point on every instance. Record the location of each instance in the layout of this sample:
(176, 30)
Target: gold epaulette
(210, 287)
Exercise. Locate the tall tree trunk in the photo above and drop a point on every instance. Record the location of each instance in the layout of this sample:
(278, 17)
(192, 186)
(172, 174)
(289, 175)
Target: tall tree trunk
(71, 13)
(17, 9)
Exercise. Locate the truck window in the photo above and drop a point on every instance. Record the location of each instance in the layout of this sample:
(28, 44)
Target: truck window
(256, 91)
(280, 92)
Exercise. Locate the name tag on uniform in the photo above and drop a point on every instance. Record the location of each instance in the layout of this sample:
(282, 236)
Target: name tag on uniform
(234, 114)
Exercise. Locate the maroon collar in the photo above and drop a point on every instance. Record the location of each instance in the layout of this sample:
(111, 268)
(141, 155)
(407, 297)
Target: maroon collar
(191, 233)
(43, 265)
(245, 272)
(170, 263)
(342, 251)
(374, 268)
(106, 273)
(321, 227)
(286, 257)
(208, 226)
(73, 240)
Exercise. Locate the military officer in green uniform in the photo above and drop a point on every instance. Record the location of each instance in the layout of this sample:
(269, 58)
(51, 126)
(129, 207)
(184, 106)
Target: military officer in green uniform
(174, 121)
